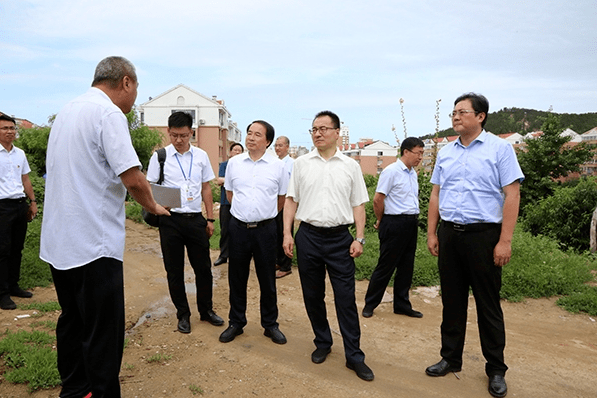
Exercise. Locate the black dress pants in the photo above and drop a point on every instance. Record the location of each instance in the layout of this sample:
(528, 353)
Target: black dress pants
(224, 234)
(13, 228)
(318, 252)
(176, 232)
(398, 236)
(90, 330)
(284, 261)
(258, 243)
(466, 261)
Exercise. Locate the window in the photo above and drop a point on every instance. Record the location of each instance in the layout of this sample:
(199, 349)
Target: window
(379, 153)
(191, 112)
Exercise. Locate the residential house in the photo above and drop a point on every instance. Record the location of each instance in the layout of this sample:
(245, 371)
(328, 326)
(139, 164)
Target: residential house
(214, 132)
(372, 157)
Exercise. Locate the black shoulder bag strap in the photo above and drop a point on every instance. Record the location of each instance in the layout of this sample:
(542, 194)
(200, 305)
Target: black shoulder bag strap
(161, 155)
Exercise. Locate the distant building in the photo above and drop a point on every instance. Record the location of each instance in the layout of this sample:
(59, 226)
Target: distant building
(214, 132)
(372, 157)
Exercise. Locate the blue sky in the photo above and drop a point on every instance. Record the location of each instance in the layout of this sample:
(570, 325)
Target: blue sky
(283, 61)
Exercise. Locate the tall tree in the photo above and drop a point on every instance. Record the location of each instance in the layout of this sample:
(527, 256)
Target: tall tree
(545, 159)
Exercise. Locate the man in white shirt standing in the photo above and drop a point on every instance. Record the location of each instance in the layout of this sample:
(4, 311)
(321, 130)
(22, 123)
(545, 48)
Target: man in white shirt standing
(90, 163)
(327, 193)
(255, 184)
(188, 168)
(283, 262)
(15, 189)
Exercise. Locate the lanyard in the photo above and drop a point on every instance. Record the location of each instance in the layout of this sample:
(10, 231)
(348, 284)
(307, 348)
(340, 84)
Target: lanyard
(189, 171)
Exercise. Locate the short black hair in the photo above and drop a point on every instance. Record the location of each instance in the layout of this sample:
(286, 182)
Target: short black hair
(235, 144)
(7, 118)
(269, 130)
(410, 143)
(333, 116)
(179, 119)
(479, 104)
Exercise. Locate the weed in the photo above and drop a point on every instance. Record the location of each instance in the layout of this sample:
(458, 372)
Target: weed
(158, 358)
(196, 389)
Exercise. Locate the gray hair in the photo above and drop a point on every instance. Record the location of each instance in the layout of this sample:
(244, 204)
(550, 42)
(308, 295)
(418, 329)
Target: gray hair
(285, 139)
(112, 70)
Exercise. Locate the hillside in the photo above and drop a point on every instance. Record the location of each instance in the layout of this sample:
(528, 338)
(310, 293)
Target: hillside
(522, 121)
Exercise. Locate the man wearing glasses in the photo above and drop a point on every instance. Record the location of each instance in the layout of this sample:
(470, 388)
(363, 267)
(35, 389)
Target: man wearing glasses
(327, 194)
(476, 195)
(15, 189)
(396, 209)
(187, 167)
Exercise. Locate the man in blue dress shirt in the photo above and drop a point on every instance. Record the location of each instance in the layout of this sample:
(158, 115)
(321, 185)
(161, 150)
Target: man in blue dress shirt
(396, 209)
(476, 195)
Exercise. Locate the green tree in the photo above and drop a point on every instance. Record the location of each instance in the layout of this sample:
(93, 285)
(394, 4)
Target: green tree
(34, 142)
(144, 139)
(566, 215)
(545, 159)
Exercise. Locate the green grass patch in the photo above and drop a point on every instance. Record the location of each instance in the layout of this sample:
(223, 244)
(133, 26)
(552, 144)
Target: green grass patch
(538, 268)
(49, 306)
(30, 359)
(158, 358)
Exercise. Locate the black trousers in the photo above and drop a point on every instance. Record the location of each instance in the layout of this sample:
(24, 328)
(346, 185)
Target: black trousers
(466, 261)
(176, 232)
(317, 253)
(284, 261)
(224, 234)
(398, 236)
(13, 228)
(90, 330)
(258, 243)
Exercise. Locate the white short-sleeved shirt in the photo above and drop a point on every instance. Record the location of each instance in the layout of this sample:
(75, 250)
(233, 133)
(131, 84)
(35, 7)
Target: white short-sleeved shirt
(255, 186)
(188, 171)
(399, 184)
(288, 161)
(13, 165)
(327, 190)
(84, 204)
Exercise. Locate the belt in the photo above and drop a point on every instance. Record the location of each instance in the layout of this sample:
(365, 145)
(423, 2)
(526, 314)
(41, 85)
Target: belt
(18, 200)
(327, 230)
(476, 227)
(411, 216)
(254, 224)
(187, 215)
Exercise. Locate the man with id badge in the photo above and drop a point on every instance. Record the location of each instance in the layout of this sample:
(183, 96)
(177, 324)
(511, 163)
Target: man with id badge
(187, 167)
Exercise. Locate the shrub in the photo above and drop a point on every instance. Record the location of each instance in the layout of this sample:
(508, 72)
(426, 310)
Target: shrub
(566, 215)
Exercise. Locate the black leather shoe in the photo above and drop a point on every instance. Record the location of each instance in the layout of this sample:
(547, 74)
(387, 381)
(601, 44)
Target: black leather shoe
(212, 318)
(361, 370)
(184, 325)
(319, 355)
(220, 261)
(367, 312)
(229, 334)
(276, 335)
(6, 303)
(441, 368)
(18, 292)
(410, 313)
(497, 386)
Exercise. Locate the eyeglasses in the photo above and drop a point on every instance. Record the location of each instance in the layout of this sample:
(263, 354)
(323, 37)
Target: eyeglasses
(420, 154)
(9, 128)
(182, 136)
(462, 112)
(322, 130)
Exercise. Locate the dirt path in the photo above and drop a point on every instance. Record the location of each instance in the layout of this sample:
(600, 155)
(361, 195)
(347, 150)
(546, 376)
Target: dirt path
(550, 352)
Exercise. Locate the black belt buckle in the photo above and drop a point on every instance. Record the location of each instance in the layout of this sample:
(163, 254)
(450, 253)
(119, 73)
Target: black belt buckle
(252, 224)
(459, 227)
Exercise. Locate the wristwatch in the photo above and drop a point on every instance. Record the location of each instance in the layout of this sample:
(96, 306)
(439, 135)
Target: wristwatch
(361, 240)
